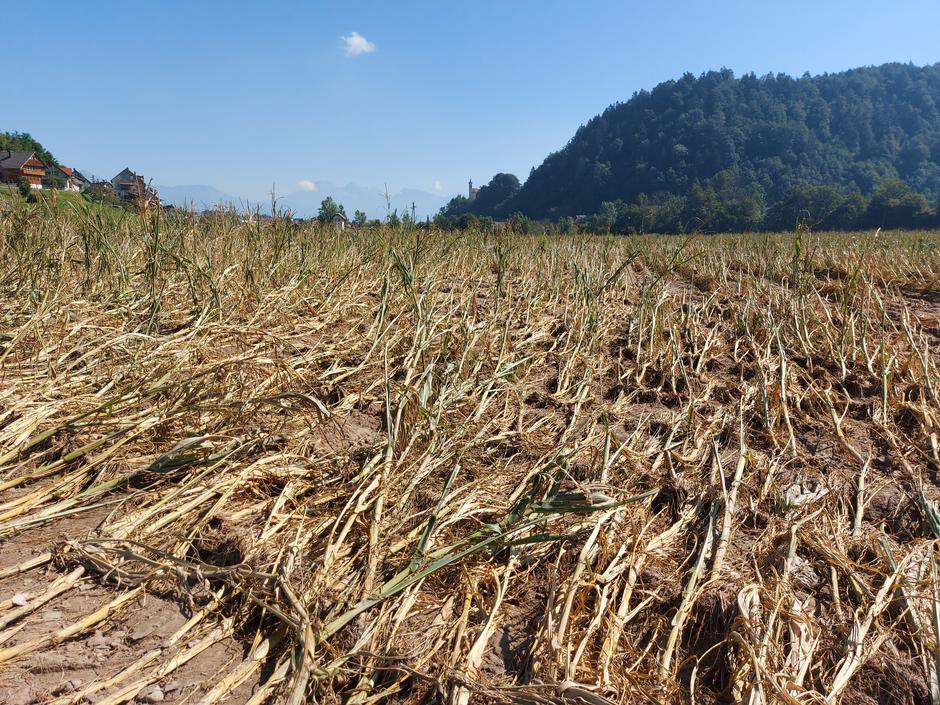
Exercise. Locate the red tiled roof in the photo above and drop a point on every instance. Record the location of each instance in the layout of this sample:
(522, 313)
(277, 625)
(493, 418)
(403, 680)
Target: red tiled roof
(67, 170)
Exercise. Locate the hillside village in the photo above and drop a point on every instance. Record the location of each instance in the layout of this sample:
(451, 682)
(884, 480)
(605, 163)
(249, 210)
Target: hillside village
(26, 168)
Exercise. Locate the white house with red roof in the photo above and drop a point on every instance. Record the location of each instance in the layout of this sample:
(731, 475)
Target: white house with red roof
(71, 178)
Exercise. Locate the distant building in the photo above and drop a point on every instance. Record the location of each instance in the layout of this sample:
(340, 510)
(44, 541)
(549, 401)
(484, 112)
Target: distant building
(53, 171)
(339, 222)
(129, 186)
(71, 179)
(80, 179)
(22, 166)
(472, 192)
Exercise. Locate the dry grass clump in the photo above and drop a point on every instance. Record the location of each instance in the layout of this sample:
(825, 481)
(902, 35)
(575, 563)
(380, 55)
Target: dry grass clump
(417, 467)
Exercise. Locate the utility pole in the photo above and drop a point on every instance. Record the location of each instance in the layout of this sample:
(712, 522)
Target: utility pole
(412, 211)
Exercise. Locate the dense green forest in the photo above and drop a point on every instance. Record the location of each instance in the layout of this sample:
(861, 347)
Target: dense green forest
(848, 150)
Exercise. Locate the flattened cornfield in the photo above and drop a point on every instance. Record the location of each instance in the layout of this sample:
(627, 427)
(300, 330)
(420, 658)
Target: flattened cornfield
(265, 463)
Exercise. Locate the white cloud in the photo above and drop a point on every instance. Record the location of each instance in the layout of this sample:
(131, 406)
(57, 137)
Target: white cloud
(438, 186)
(357, 45)
(307, 185)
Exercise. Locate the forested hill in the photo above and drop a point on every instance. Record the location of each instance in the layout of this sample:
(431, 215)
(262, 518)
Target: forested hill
(747, 144)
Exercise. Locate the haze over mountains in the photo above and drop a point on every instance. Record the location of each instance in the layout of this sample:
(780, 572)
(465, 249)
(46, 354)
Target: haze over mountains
(305, 202)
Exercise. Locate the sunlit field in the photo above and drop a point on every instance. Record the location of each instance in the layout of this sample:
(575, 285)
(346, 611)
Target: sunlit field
(393, 465)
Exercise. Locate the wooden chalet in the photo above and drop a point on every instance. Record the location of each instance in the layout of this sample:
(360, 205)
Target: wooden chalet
(22, 166)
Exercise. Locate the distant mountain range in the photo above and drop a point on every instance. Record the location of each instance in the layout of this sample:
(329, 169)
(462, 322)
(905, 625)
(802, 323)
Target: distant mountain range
(201, 197)
(305, 203)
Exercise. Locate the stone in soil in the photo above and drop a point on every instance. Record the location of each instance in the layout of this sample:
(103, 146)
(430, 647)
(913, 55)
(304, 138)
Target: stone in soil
(153, 694)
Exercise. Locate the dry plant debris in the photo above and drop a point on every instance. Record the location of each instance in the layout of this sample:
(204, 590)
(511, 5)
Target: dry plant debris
(393, 466)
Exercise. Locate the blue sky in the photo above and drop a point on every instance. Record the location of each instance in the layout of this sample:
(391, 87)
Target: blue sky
(246, 95)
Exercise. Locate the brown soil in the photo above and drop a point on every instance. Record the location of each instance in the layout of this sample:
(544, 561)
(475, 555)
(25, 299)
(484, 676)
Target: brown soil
(142, 626)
